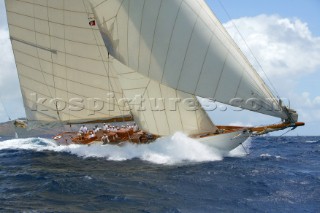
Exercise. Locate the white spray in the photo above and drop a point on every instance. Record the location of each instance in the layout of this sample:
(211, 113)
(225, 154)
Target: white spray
(169, 150)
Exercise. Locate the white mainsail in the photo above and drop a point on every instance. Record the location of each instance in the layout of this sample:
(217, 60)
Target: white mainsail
(181, 44)
(62, 62)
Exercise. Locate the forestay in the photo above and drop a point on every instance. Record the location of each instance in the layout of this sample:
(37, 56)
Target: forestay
(181, 44)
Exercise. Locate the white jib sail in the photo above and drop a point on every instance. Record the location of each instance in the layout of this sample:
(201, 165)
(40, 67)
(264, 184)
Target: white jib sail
(181, 44)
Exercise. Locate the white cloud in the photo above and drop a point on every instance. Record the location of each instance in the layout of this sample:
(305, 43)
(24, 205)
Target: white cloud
(9, 82)
(283, 46)
(6, 56)
(309, 102)
(309, 106)
(288, 52)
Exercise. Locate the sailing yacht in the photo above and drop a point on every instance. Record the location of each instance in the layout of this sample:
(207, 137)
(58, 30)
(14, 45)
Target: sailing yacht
(95, 61)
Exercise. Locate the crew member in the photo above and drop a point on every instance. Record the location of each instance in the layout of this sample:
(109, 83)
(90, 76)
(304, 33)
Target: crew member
(105, 139)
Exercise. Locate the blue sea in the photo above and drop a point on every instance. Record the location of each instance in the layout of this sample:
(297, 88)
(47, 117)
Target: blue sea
(174, 174)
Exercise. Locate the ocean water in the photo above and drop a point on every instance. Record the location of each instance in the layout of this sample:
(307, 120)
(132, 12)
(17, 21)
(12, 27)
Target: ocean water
(174, 174)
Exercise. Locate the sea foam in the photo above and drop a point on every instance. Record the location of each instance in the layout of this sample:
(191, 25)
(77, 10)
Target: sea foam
(176, 149)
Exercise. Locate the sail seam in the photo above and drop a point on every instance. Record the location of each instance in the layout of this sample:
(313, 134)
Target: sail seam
(178, 106)
(170, 41)
(65, 55)
(54, 84)
(141, 21)
(37, 18)
(217, 87)
(53, 36)
(31, 90)
(54, 8)
(203, 63)
(38, 59)
(63, 64)
(48, 109)
(239, 84)
(145, 120)
(128, 21)
(99, 88)
(222, 30)
(66, 67)
(45, 106)
(153, 37)
(185, 56)
(72, 93)
(98, 114)
(117, 24)
(165, 111)
(44, 114)
(154, 118)
(144, 93)
(99, 4)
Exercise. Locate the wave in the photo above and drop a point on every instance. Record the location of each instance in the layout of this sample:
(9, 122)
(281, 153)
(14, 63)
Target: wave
(267, 156)
(313, 141)
(168, 150)
(242, 150)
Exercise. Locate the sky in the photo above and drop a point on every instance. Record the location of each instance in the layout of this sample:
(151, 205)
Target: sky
(284, 37)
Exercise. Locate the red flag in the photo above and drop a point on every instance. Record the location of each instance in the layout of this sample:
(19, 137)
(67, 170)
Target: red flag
(92, 23)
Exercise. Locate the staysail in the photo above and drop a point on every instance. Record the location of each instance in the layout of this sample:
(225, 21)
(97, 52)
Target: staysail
(159, 109)
(62, 62)
(182, 45)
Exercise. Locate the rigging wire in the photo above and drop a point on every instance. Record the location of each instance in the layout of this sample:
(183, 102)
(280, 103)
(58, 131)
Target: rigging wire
(286, 133)
(255, 58)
